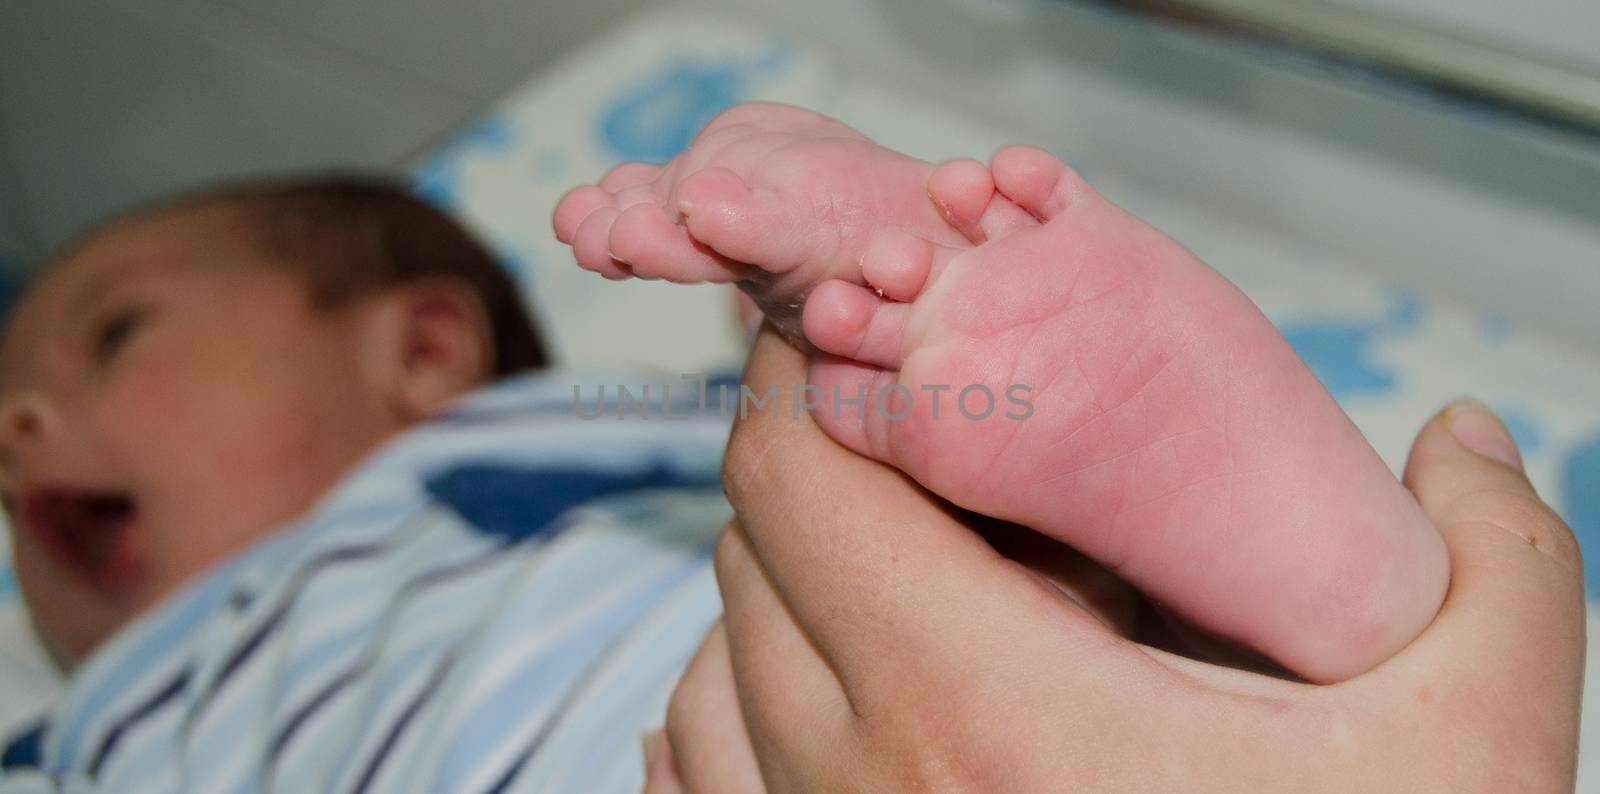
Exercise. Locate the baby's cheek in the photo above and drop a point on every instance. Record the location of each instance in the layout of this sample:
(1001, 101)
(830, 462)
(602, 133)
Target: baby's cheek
(185, 413)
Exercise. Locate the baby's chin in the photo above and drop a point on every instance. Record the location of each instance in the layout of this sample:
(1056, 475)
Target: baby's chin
(72, 620)
(81, 562)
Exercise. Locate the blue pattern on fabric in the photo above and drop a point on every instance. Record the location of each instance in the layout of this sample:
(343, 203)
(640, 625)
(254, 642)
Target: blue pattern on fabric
(25, 750)
(656, 119)
(1341, 352)
(518, 503)
(1580, 485)
(1525, 427)
(438, 180)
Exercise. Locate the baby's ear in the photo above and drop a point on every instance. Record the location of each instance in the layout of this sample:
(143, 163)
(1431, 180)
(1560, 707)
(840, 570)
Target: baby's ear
(432, 342)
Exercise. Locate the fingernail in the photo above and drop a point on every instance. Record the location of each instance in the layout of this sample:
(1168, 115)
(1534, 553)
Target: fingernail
(1477, 428)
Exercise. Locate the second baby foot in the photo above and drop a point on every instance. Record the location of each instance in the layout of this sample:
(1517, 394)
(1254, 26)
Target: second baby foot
(1086, 376)
(775, 198)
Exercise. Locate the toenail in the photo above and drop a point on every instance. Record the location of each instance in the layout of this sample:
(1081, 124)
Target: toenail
(1478, 429)
(613, 255)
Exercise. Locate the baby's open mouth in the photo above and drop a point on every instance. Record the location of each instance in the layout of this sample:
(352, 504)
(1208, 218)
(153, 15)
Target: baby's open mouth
(86, 529)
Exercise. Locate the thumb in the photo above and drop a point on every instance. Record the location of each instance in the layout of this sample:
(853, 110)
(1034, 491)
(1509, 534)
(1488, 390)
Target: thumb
(1515, 601)
(1466, 472)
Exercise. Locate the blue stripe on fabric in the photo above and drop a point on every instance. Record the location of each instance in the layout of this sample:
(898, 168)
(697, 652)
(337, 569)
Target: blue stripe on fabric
(343, 644)
(518, 502)
(25, 750)
(391, 682)
(408, 591)
(563, 706)
(161, 698)
(151, 648)
(154, 644)
(328, 692)
(607, 718)
(389, 604)
(302, 576)
(440, 670)
(243, 651)
(527, 690)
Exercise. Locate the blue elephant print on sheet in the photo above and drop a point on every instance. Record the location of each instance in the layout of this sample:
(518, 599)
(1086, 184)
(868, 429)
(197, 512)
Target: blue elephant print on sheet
(657, 118)
(1342, 352)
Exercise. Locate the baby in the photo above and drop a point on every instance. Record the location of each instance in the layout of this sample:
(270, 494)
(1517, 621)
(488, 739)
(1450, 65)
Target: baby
(196, 374)
(258, 515)
(257, 511)
(1169, 433)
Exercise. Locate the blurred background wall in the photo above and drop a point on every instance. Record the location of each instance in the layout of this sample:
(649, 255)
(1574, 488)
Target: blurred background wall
(104, 102)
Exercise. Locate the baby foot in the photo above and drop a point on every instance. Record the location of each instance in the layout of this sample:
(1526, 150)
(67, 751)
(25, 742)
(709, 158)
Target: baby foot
(1164, 427)
(795, 192)
(1137, 407)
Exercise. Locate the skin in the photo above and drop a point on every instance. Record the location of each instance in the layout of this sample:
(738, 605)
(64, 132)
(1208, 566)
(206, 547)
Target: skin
(1164, 410)
(843, 613)
(166, 358)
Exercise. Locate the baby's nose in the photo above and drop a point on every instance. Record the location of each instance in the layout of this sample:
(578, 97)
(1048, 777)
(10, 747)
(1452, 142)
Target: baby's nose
(24, 421)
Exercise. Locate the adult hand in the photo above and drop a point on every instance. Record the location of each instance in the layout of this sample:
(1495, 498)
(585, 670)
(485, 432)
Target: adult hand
(873, 642)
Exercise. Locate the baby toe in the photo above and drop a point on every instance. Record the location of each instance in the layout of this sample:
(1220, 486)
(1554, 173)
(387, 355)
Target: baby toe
(592, 246)
(575, 207)
(656, 248)
(738, 223)
(844, 407)
(898, 264)
(1036, 181)
(852, 321)
(629, 175)
(961, 189)
(964, 190)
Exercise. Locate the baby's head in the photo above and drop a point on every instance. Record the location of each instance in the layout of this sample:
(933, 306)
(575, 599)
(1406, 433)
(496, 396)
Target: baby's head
(193, 375)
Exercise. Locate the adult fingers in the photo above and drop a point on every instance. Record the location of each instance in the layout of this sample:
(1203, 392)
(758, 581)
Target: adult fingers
(661, 774)
(792, 705)
(709, 751)
(1514, 613)
(880, 575)
(1515, 566)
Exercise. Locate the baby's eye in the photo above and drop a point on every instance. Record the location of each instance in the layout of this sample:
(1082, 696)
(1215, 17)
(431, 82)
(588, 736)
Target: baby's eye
(115, 332)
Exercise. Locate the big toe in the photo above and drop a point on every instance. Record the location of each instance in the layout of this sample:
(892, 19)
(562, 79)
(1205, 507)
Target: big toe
(654, 247)
(846, 393)
(744, 225)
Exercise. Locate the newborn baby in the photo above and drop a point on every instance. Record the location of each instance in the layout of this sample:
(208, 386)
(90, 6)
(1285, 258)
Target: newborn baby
(280, 546)
(194, 375)
(1170, 433)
